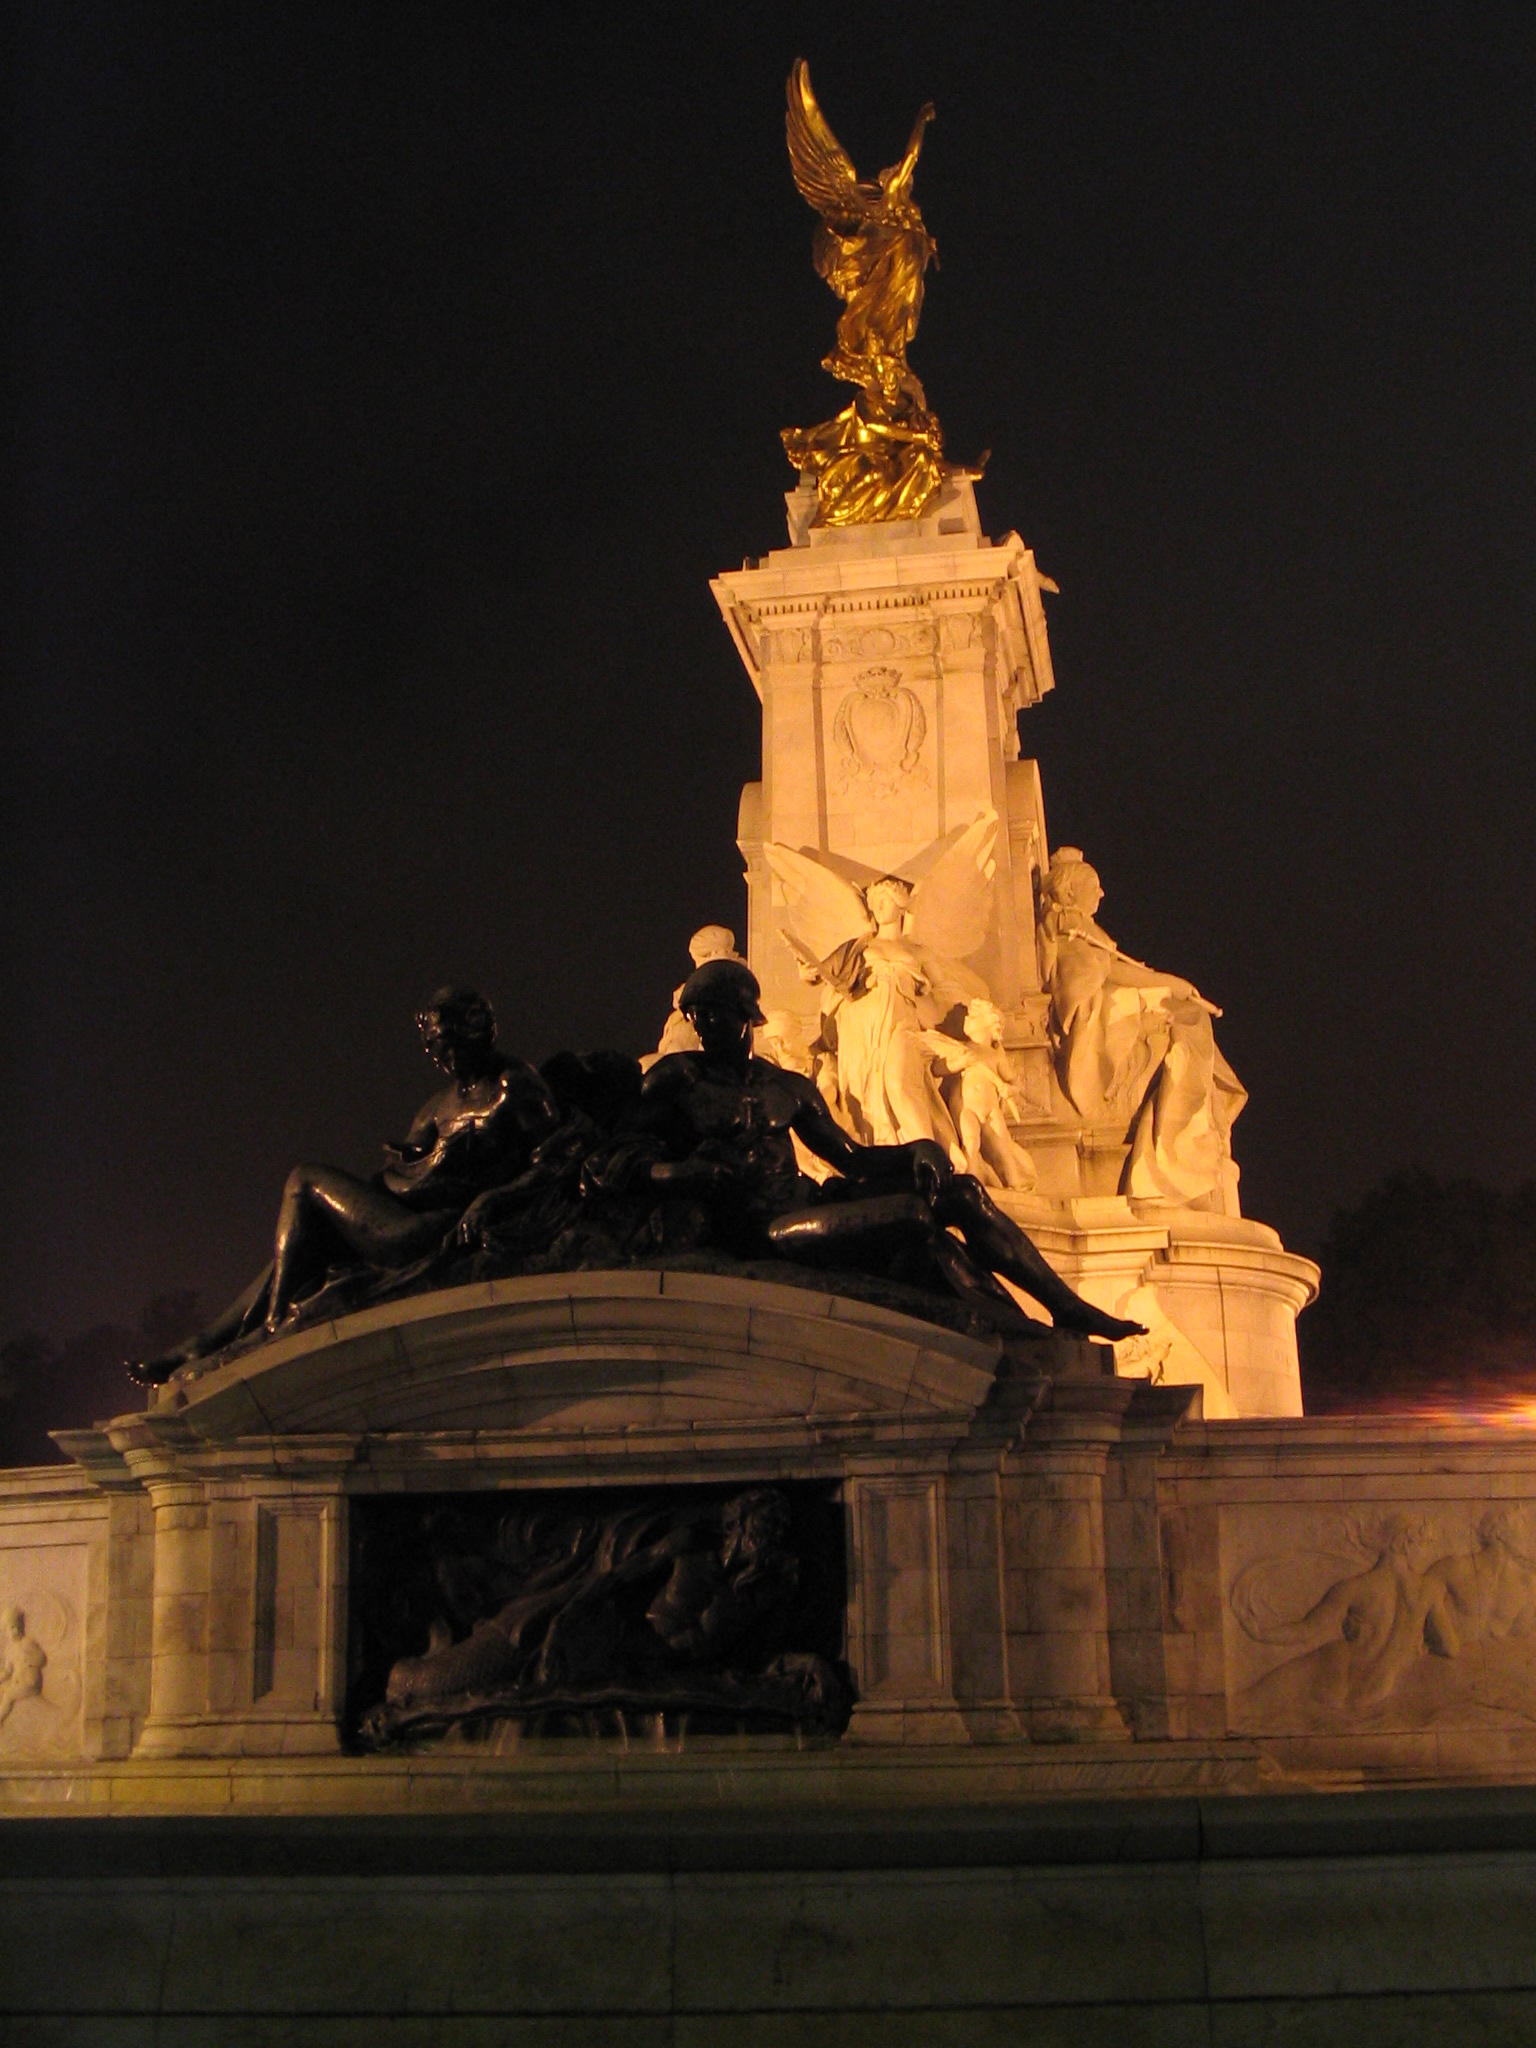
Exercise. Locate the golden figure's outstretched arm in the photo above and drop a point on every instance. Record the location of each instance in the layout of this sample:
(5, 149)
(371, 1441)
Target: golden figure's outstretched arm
(896, 183)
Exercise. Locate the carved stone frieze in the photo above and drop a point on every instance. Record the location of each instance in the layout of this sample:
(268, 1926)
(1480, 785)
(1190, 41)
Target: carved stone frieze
(855, 639)
(1401, 1618)
(40, 1649)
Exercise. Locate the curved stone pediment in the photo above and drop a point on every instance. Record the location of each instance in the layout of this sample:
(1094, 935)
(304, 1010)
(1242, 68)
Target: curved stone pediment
(606, 1355)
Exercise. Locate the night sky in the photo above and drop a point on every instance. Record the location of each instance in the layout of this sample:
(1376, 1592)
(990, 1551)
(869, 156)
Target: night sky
(388, 386)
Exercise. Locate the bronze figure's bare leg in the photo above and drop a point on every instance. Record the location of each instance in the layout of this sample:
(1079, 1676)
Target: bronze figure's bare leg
(1003, 1248)
(847, 1225)
(326, 1213)
(971, 1280)
(241, 1317)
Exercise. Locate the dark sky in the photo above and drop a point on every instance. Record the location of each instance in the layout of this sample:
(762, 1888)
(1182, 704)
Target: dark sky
(388, 386)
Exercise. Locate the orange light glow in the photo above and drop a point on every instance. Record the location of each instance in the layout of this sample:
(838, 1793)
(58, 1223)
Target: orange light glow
(1466, 1407)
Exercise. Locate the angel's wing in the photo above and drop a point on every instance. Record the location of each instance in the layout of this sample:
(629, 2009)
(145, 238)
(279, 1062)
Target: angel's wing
(951, 905)
(821, 910)
(823, 168)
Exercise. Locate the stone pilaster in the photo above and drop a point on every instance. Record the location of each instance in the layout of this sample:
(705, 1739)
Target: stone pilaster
(178, 1693)
(1055, 1591)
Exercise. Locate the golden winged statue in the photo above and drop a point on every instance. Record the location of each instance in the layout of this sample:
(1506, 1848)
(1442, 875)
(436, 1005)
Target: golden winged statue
(882, 456)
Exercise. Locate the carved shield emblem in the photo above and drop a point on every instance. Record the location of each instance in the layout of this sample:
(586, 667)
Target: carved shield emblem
(879, 732)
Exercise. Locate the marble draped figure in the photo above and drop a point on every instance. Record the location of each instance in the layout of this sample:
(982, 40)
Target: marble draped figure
(590, 1163)
(1134, 1044)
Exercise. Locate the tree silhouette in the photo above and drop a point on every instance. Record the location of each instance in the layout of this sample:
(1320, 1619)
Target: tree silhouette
(1429, 1289)
(45, 1385)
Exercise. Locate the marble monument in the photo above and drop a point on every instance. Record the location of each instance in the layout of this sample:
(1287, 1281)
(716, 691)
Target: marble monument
(811, 1532)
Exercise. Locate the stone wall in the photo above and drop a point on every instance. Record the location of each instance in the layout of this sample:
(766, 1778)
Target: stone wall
(1155, 1924)
(1040, 1557)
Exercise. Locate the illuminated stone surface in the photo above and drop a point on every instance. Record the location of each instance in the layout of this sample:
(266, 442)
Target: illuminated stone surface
(1102, 1648)
(1034, 1548)
(892, 663)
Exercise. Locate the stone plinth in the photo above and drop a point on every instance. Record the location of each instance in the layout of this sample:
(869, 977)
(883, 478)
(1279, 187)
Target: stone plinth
(1205, 1919)
(1037, 1553)
(1107, 1654)
(893, 663)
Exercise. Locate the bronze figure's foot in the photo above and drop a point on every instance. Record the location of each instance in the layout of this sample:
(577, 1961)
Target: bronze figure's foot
(1087, 1321)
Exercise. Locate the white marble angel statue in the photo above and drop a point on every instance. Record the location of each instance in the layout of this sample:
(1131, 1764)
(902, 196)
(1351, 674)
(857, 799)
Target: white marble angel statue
(889, 958)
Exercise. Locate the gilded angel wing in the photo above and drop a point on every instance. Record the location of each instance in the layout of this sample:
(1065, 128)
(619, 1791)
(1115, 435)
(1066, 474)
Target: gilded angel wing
(821, 911)
(822, 168)
(951, 905)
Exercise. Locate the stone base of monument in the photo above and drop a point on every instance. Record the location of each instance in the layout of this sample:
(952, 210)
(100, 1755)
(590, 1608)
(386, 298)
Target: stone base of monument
(674, 1655)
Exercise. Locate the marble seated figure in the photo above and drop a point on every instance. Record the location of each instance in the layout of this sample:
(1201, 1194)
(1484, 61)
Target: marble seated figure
(1135, 1045)
(723, 1122)
(476, 1132)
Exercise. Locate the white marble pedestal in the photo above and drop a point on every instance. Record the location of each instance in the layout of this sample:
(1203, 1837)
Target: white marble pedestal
(893, 663)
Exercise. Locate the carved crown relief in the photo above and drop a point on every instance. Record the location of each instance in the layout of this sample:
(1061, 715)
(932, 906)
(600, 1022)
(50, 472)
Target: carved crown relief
(878, 730)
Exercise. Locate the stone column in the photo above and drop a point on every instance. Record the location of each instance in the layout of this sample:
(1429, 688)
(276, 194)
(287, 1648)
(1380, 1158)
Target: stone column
(1055, 1591)
(178, 1688)
(248, 1628)
(1134, 1559)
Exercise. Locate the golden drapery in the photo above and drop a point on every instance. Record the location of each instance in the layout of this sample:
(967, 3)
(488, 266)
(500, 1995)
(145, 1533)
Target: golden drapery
(881, 457)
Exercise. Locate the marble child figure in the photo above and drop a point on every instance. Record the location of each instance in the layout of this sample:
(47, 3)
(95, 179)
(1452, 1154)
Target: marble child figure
(723, 1122)
(477, 1131)
(979, 1096)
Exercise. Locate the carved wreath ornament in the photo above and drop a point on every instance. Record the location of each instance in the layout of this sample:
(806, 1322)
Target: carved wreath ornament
(879, 732)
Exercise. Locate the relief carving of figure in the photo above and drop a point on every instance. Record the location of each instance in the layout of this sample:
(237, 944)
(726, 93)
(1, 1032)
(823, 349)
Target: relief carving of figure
(477, 1132)
(1359, 1638)
(1364, 1642)
(889, 958)
(642, 1611)
(1486, 1594)
(1135, 1043)
(22, 1660)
